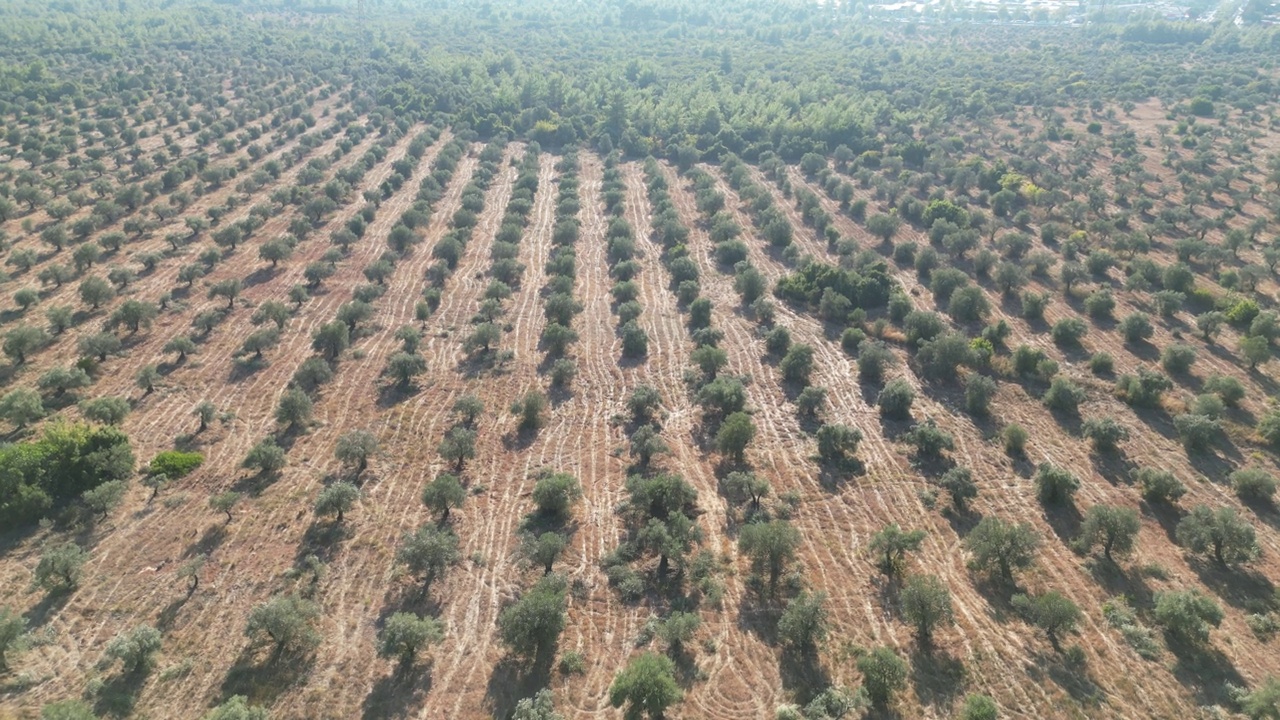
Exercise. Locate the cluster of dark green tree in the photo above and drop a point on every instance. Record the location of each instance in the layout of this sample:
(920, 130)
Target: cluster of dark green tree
(37, 476)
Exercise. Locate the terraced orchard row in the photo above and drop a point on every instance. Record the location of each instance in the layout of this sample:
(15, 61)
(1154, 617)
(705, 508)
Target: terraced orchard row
(357, 416)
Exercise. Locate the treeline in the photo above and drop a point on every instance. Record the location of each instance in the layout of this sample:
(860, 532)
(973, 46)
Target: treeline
(717, 91)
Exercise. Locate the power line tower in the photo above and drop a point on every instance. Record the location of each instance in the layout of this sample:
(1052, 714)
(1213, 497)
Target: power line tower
(361, 8)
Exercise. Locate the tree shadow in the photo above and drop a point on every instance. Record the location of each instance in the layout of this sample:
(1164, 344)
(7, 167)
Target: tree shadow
(1115, 467)
(244, 367)
(832, 475)
(322, 539)
(1115, 581)
(962, 522)
(255, 484)
(758, 615)
(1211, 465)
(559, 395)
(803, 674)
(1157, 419)
(49, 605)
(1022, 465)
(475, 364)
(394, 695)
(1064, 519)
(1268, 384)
(938, 677)
(263, 677)
(169, 615)
(631, 362)
(1143, 350)
(515, 679)
(882, 712)
(998, 592)
(1167, 515)
(259, 276)
(118, 695)
(208, 542)
(393, 394)
(1237, 586)
(166, 368)
(1205, 671)
(1264, 509)
(1068, 419)
(1073, 678)
(519, 439)
(686, 665)
(932, 466)
(893, 429)
(1241, 415)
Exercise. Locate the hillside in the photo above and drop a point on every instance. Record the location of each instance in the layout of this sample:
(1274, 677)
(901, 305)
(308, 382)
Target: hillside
(382, 366)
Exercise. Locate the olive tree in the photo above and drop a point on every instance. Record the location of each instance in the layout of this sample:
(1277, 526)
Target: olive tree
(1114, 528)
(647, 686)
(60, 567)
(22, 406)
(443, 494)
(1052, 612)
(458, 446)
(266, 457)
(1003, 547)
(771, 546)
(926, 604)
(883, 674)
(135, 649)
(294, 409)
(337, 499)
(1188, 615)
(13, 630)
(555, 494)
(735, 433)
(404, 634)
(22, 341)
(285, 622)
(224, 502)
(427, 553)
(355, 447)
(1220, 533)
(531, 626)
(803, 624)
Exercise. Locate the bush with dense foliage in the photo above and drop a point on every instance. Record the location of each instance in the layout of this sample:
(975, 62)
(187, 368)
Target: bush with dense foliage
(38, 475)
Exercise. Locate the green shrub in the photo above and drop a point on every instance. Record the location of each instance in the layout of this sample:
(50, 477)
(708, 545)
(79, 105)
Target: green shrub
(1105, 433)
(1228, 388)
(1055, 485)
(1015, 439)
(1160, 485)
(1068, 331)
(1136, 327)
(175, 464)
(1143, 389)
(1177, 358)
(1063, 395)
(1254, 484)
(895, 399)
(1198, 432)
